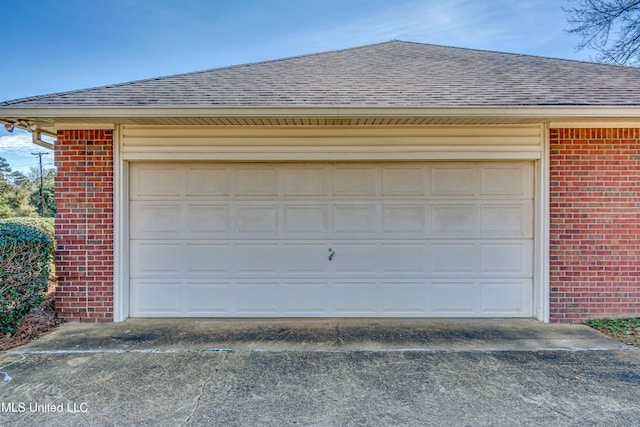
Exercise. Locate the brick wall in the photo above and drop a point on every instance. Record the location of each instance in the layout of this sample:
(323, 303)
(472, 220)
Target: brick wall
(84, 225)
(595, 223)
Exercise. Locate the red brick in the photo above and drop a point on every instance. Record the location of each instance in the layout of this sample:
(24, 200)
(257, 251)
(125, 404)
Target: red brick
(595, 223)
(84, 225)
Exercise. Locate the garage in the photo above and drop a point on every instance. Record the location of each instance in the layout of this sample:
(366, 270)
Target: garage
(331, 239)
(337, 184)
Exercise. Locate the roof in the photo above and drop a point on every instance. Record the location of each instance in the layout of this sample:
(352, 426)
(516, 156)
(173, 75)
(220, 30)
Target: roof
(389, 84)
(391, 74)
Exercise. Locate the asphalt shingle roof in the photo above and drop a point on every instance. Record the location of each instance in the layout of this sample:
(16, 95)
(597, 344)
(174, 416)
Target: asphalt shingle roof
(390, 74)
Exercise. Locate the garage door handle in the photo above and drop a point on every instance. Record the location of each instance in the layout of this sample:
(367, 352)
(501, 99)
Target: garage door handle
(331, 255)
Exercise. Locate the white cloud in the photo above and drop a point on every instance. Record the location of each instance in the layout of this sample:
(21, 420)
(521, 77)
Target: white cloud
(456, 23)
(17, 148)
(533, 27)
(19, 144)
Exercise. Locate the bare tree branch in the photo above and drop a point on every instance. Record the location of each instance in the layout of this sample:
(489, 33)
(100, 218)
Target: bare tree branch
(609, 27)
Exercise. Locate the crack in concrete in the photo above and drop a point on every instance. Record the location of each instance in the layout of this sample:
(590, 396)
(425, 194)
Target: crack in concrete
(8, 378)
(202, 389)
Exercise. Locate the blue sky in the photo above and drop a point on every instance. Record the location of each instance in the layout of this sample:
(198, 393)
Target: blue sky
(58, 45)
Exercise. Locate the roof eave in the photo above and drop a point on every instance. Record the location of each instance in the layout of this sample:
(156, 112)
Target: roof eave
(320, 111)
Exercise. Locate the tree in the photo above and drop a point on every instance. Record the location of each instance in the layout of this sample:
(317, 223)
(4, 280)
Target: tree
(19, 179)
(5, 209)
(18, 201)
(5, 171)
(609, 27)
(14, 195)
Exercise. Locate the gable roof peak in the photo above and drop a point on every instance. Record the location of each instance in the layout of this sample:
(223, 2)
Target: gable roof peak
(389, 74)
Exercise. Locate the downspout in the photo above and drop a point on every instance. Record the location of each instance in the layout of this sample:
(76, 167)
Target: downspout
(36, 138)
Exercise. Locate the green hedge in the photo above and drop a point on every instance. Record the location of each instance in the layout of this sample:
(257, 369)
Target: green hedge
(46, 225)
(26, 253)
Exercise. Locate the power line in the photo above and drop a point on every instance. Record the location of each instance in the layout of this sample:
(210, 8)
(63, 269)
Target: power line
(40, 154)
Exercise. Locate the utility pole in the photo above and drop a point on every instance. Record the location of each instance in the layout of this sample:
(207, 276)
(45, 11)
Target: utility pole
(40, 154)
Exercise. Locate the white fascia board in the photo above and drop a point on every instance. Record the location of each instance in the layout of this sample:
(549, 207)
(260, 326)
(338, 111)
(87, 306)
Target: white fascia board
(548, 113)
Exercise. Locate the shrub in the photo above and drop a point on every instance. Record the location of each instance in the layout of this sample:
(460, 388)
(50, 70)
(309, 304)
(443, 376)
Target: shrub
(26, 253)
(46, 225)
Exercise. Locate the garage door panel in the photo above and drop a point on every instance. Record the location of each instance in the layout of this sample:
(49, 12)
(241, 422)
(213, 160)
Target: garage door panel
(448, 219)
(355, 181)
(453, 258)
(208, 181)
(256, 258)
(307, 182)
(404, 217)
(256, 298)
(510, 297)
(252, 219)
(506, 219)
(305, 259)
(153, 181)
(405, 298)
(506, 258)
(308, 298)
(356, 298)
(256, 181)
(452, 180)
(354, 218)
(404, 180)
(156, 298)
(455, 298)
(153, 258)
(408, 239)
(207, 220)
(404, 258)
(355, 258)
(206, 298)
(305, 220)
(155, 220)
(206, 258)
(501, 180)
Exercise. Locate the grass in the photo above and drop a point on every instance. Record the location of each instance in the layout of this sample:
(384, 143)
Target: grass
(627, 330)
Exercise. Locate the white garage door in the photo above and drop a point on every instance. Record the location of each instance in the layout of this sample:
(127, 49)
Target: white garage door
(344, 239)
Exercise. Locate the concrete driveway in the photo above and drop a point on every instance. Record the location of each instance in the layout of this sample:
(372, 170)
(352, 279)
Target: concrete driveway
(323, 373)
